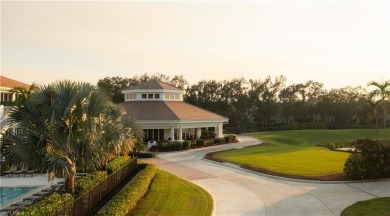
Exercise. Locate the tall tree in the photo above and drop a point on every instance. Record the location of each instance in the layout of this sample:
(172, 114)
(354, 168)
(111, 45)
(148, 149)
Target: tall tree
(265, 96)
(382, 93)
(114, 85)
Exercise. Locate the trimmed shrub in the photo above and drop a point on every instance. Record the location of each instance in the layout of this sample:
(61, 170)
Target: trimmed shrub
(370, 160)
(200, 142)
(230, 138)
(89, 181)
(186, 144)
(154, 148)
(49, 206)
(333, 146)
(176, 145)
(116, 164)
(127, 199)
(219, 140)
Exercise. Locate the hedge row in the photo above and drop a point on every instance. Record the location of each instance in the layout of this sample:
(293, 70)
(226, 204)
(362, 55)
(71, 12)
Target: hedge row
(143, 155)
(173, 146)
(126, 200)
(89, 181)
(117, 163)
(49, 206)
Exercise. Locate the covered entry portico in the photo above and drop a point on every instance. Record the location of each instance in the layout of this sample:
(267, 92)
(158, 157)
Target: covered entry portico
(179, 130)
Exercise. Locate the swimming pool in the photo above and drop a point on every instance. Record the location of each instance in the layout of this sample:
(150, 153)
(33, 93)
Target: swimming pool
(9, 193)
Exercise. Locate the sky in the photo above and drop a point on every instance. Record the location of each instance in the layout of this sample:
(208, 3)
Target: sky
(337, 43)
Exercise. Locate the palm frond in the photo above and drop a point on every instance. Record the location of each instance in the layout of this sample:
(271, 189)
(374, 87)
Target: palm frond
(58, 165)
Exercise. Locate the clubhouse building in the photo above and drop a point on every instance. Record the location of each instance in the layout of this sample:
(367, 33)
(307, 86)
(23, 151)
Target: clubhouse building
(159, 109)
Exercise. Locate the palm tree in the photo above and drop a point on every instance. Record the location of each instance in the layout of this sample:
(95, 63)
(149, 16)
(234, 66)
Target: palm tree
(382, 92)
(23, 93)
(65, 123)
(374, 103)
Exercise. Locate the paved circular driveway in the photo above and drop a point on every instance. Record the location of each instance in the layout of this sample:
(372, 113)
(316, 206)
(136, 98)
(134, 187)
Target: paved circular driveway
(239, 192)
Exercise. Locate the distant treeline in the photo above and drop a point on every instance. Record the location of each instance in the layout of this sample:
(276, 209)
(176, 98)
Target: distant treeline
(270, 104)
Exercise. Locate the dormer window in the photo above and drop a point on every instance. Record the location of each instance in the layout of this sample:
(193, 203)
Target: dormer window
(143, 96)
(156, 96)
(150, 96)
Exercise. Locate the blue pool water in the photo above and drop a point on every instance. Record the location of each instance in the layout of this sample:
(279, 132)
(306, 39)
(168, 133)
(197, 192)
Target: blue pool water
(9, 193)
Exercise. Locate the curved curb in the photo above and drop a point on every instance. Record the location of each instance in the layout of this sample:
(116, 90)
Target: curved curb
(235, 166)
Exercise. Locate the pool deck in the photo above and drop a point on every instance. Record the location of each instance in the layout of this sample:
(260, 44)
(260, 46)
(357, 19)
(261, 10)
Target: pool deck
(39, 180)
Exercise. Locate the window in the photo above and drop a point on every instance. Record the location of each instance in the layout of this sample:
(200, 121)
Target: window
(176, 96)
(6, 97)
(143, 96)
(161, 134)
(157, 96)
(166, 96)
(127, 96)
(150, 96)
(19, 132)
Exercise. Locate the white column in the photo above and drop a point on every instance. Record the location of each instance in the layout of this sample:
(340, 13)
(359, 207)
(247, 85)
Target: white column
(198, 132)
(172, 133)
(220, 131)
(180, 133)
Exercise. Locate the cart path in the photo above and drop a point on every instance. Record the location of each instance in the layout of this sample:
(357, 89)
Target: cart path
(238, 192)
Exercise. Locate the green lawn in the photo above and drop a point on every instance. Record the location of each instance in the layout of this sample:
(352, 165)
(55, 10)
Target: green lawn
(297, 152)
(171, 195)
(374, 207)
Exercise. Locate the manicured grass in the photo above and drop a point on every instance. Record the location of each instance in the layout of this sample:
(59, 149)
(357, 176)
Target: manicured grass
(374, 207)
(297, 152)
(171, 195)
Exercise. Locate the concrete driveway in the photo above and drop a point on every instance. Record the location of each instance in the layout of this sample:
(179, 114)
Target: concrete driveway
(239, 192)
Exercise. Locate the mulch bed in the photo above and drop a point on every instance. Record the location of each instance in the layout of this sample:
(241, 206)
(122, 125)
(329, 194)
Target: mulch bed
(194, 146)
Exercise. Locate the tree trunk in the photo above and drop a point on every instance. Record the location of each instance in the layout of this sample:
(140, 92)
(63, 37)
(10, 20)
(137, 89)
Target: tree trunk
(105, 166)
(69, 181)
(376, 124)
(384, 127)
